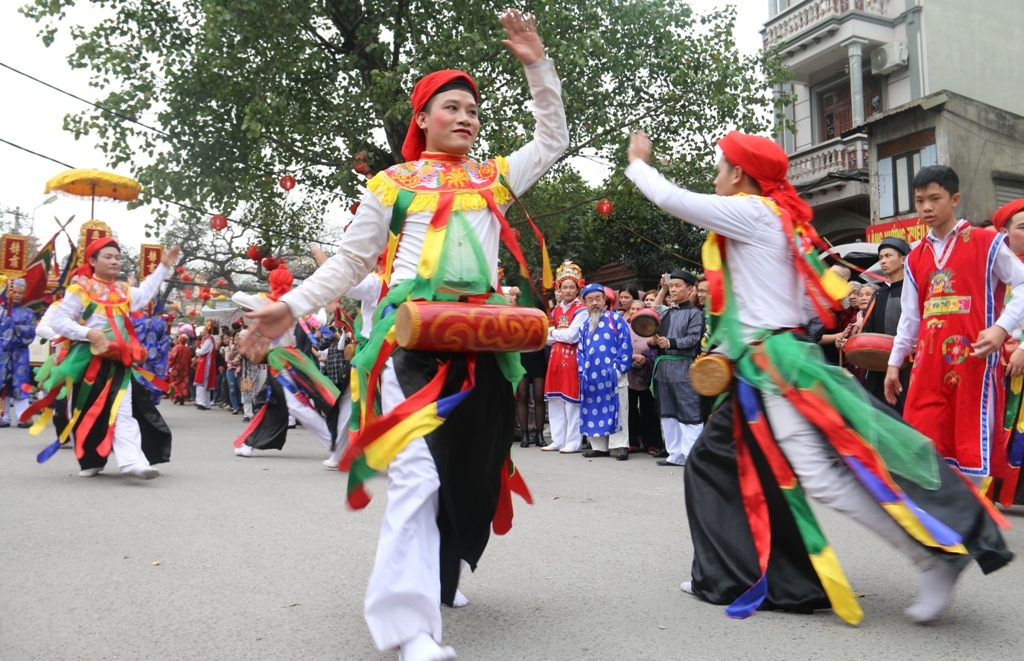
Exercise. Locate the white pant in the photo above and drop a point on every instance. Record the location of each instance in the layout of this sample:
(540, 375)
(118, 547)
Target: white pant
(607, 443)
(202, 396)
(620, 439)
(679, 439)
(127, 446)
(565, 424)
(403, 598)
(309, 418)
(824, 478)
(341, 440)
(18, 405)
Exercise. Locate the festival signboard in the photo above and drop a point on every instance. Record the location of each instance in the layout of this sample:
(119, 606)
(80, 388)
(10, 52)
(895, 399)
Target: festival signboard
(14, 249)
(910, 230)
(150, 256)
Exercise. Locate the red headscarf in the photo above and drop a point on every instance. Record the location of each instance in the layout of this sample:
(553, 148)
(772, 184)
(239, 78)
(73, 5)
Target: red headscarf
(766, 162)
(85, 270)
(1006, 212)
(281, 280)
(427, 87)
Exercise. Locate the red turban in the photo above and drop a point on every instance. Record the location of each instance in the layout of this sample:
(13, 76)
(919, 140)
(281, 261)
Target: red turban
(1006, 212)
(97, 245)
(767, 164)
(429, 85)
(280, 280)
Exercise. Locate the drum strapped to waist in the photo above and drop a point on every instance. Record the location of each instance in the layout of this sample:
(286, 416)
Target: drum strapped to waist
(349, 351)
(646, 323)
(869, 351)
(121, 352)
(711, 374)
(470, 327)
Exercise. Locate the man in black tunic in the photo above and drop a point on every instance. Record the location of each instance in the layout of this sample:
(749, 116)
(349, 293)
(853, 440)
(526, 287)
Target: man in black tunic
(678, 342)
(883, 313)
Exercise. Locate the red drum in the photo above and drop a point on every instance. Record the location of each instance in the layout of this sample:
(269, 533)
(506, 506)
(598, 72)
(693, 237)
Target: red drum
(459, 327)
(646, 323)
(122, 352)
(869, 351)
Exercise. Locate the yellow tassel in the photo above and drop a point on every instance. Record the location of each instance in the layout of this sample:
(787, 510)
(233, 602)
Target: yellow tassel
(39, 425)
(837, 588)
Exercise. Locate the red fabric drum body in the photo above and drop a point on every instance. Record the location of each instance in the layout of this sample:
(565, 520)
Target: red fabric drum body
(869, 351)
(646, 323)
(468, 327)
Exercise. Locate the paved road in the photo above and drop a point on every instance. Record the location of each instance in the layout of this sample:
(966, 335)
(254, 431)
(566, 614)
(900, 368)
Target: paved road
(230, 558)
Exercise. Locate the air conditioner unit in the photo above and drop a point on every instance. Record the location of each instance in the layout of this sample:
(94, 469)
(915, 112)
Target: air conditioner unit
(888, 58)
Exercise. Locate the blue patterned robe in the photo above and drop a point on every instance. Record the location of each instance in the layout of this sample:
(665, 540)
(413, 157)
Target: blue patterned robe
(602, 356)
(152, 333)
(17, 331)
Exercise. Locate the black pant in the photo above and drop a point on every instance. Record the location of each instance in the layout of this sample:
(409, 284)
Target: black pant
(644, 423)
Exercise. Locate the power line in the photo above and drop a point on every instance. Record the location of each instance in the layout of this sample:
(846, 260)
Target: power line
(165, 200)
(35, 153)
(91, 103)
(126, 118)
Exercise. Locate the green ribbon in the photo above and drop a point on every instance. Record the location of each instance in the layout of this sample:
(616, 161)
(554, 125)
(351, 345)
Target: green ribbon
(654, 374)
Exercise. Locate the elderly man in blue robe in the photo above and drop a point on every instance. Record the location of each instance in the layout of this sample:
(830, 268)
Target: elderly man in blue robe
(605, 352)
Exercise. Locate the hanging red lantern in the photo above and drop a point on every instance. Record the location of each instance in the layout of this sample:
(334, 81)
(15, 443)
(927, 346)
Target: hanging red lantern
(605, 207)
(269, 264)
(254, 253)
(287, 182)
(186, 277)
(222, 282)
(179, 270)
(218, 222)
(354, 208)
(205, 296)
(188, 293)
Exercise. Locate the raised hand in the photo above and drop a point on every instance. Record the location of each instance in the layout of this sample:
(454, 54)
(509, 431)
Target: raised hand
(639, 147)
(523, 40)
(171, 256)
(318, 255)
(267, 324)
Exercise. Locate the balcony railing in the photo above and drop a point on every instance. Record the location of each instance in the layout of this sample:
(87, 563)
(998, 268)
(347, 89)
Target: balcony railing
(800, 17)
(838, 155)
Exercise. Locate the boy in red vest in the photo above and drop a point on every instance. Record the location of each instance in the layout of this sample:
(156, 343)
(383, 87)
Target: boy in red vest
(955, 321)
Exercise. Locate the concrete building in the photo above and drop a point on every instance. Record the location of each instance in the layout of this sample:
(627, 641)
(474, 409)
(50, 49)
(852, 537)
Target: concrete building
(933, 81)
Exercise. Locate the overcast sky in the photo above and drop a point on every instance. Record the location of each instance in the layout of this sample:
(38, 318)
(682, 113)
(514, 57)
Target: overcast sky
(32, 116)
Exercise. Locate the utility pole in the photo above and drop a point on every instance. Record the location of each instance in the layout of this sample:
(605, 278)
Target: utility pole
(18, 216)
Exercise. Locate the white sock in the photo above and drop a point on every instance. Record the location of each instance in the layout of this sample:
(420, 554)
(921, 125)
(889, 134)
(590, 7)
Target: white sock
(937, 583)
(687, 587)
(460, 600)
(423, 648)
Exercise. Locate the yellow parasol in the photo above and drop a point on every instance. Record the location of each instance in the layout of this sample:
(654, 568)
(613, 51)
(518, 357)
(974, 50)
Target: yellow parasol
(93, 184)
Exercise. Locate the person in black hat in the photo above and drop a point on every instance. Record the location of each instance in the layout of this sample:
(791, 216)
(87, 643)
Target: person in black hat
(883, 312)
(678, 342)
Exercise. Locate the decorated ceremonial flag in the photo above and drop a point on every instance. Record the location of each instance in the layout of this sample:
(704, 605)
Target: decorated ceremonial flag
(37, 274)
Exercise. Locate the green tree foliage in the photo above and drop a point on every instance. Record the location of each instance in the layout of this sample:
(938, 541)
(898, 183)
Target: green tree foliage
(244, 91)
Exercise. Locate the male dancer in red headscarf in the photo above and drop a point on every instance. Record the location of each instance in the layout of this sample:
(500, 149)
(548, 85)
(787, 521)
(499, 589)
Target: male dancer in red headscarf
(794, 425)
(112, 411)
(444, 483)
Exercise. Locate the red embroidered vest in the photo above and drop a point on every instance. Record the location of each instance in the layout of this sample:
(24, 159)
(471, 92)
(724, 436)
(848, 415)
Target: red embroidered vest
(954, 398)
(563, 379)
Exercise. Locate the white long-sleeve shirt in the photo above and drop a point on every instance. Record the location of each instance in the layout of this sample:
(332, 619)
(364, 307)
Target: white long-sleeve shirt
(1006, 267)
(367, 236)
(44, 328)
(367, 293)
(769, 292)
(67, 321)
(571, 333)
